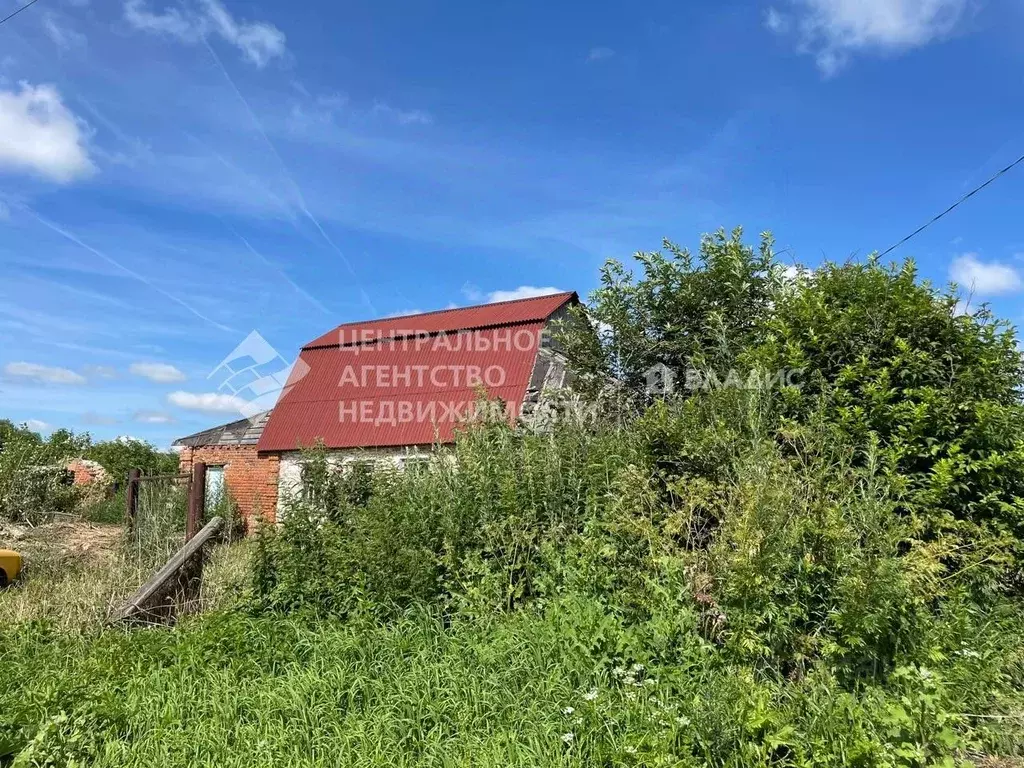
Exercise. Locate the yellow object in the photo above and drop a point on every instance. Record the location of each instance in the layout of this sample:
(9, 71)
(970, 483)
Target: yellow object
(10, 566)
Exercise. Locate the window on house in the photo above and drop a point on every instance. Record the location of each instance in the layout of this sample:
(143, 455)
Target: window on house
(357, 482)
(416, 464)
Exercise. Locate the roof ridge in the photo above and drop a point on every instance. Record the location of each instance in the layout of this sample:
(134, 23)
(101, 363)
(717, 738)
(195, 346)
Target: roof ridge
(410, 334)
(454, 309)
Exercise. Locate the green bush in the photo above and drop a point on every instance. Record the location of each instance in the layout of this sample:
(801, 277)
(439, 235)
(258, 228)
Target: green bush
(123, 454)
(866, 349)
(34, 483)
(685, 312)
(110, 509)
(479, 517)
(887, 356)
(788, 550)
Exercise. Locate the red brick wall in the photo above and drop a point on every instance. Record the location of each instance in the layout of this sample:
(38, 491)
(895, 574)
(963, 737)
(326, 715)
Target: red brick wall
(86, 472)
(249, 477)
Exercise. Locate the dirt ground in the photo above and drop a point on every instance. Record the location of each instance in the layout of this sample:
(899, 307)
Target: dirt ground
(72, 539)
(77, 573)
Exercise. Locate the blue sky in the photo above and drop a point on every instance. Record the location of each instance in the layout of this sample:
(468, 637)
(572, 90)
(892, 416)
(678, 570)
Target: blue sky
(174, 176)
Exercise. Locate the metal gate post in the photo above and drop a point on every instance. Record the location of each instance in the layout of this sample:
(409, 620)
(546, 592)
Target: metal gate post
(196, 500)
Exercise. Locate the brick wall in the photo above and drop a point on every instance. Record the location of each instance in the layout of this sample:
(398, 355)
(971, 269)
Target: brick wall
(87, 472)
(249, 477)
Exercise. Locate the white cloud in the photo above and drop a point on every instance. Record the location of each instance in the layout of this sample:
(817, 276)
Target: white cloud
(161, 373)
(38, 426)
(172, 21)
(522, 292)
(207, 402)
(982, 278)
(417, 311)
(259, 41)
(313, 113)
(776, 22)
(834, 30)
(40, 135)
(153, 417)
(100, 372)
(323, 115)
(600, 53)
(402, 116)
(43, 374)
(792, 272)
(92, 418)
(63, 36)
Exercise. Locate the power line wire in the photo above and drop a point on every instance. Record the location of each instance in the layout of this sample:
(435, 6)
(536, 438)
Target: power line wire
(954, 205)
(11, 16)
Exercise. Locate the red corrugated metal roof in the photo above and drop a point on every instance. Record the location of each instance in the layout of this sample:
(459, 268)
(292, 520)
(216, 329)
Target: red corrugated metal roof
(409, 380)
(447, 320)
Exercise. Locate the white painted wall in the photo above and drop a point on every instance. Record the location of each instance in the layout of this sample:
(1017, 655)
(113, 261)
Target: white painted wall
(289, 478)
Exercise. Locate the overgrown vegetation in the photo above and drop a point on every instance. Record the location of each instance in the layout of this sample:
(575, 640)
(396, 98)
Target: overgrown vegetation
(35, 484)
(33, 481)
(867, 350)
(125, 453)
(76, 574)
(821, 570)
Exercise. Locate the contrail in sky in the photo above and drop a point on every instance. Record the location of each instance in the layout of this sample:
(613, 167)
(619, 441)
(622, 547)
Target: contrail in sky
(287, 174)
(127, 270)
(301, 291)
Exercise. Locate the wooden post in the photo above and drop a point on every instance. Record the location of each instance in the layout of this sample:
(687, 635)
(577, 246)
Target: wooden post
(132, 498)
(196, 500)
(175, 585)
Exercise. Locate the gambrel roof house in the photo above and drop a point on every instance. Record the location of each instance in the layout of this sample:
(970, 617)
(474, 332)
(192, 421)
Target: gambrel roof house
(391, 389)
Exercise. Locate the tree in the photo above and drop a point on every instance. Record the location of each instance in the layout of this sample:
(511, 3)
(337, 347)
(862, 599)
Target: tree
(886, 356)
(882, 356)
(686, 313)
(122, 454)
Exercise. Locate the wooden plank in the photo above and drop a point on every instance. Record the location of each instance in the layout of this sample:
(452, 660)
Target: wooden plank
(155, 599)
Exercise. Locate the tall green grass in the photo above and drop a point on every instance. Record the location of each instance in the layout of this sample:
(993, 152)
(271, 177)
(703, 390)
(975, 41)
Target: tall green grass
(563, 686)
(700, 586)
